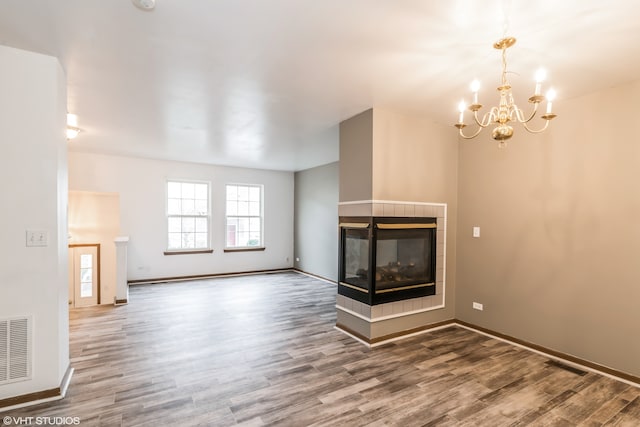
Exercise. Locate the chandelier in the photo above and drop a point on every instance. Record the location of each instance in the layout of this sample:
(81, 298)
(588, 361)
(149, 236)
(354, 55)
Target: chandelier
(507, 111)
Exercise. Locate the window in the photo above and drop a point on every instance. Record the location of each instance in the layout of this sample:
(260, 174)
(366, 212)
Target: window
(86, 275)
(244, 216)
(187, 215)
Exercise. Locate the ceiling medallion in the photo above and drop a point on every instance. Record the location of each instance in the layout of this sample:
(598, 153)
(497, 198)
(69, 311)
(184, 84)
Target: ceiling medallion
(145, 4)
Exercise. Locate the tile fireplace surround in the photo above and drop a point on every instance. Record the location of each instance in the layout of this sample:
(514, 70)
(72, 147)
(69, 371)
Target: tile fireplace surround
(360, 319)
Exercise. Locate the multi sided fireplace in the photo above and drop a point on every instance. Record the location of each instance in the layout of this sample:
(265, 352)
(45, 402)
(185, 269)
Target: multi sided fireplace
(385, 259)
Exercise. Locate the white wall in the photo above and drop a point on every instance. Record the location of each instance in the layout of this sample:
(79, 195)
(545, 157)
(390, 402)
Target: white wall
(33, 184)
(141, 184)
(95, 218)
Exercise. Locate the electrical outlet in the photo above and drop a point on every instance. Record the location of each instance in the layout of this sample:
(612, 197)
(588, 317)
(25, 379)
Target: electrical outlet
(297, 259)
(476, 231)
(478, 306)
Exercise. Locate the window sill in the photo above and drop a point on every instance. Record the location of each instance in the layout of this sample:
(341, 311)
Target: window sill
(198, 251)
(261, 248)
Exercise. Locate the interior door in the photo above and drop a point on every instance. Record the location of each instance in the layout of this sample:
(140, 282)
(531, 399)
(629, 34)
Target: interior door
(84, 284)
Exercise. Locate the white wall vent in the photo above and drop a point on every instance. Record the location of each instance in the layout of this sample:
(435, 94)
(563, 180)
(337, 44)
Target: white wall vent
(15, 349)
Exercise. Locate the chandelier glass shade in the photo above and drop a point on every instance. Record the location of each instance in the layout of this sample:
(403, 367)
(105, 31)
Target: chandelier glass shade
(507, 111)
(72, 132)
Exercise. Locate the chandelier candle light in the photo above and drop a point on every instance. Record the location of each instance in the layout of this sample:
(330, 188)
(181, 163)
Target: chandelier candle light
(72, 126)
(507, 111)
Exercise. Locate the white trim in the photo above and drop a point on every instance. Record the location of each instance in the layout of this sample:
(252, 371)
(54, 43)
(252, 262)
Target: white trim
(407, 313)
(444, 258)
(390, 316)
(352, 336)
(524, 347)
(435, 328)
(442, 227)
(226, 217)
(65, 385)
(208, 277)
(96, 193)
(31, 403)
(353, 313)
(550, 356)
(208, 216)
(395, 202)
(63, 392)
(332, 282)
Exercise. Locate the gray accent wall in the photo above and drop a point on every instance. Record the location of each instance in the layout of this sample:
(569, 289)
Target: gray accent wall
(316, 221)
(356, 136)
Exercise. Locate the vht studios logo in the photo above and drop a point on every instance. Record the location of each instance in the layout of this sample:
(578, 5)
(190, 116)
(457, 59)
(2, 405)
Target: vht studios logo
(40, 421)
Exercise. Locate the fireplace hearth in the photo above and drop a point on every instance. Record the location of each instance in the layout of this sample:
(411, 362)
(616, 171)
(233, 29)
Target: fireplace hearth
(386, 259)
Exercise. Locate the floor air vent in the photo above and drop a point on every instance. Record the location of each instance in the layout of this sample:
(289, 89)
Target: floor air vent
(561, 365)
(15, 349)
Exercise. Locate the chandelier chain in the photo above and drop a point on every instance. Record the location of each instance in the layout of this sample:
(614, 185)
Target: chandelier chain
(504, 66)
(506, 12)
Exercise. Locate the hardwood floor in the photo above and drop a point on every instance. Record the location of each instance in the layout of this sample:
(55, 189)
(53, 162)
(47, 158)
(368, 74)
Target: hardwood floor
(262, 350)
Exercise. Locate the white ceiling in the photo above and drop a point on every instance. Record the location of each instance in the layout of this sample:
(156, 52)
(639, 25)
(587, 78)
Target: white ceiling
(264, 83)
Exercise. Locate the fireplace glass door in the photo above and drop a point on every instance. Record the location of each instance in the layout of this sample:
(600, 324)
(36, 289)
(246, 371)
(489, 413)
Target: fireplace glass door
(385, 259)
(356, 257)
(404, 259)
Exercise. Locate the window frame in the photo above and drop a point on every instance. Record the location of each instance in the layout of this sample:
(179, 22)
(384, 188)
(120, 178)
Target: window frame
(195, 250)
(261, 245)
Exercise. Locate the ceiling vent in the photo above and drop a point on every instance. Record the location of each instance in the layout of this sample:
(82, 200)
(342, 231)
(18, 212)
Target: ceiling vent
(15, 349)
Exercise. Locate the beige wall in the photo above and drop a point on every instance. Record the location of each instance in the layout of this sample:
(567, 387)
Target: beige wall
(416, 160)
(557, 263)
(95, 218)
(557, 260)
(412, 160)
(356, 135)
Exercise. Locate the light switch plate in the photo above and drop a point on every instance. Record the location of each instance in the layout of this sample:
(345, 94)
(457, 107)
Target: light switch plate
(37, 238)
(476, 231)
